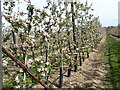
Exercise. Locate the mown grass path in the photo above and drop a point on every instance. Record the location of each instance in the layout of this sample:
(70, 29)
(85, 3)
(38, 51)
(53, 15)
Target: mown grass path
(113, 56)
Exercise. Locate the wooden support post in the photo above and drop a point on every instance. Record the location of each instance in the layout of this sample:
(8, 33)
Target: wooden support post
(46, 77)
(80, 60)
(61, 78)
(61, 66)
(69, 70)
(83, 58)
(75, 63)
(88, 55)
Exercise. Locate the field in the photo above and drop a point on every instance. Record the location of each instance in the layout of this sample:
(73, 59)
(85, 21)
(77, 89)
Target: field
(61, 46)
(113, 51)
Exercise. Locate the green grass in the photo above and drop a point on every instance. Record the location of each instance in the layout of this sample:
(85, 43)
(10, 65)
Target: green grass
(113, 57)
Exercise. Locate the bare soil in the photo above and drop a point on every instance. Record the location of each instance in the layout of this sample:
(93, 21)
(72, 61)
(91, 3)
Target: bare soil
(91, 74)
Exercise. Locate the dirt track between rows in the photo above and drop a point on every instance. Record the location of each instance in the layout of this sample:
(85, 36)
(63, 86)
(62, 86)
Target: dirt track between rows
(91, 74)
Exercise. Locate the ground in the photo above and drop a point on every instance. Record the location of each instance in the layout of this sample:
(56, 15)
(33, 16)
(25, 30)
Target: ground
(91, 74)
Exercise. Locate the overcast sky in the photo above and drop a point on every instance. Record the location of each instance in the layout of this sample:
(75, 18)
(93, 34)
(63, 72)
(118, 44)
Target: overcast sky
(107, 10)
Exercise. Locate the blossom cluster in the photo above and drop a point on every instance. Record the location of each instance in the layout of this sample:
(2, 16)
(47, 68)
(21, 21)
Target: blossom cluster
(5, 63)
(29, 62)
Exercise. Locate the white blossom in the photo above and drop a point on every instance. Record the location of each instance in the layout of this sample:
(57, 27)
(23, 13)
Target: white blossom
(47, 63)
(31, 36)
(33, 40)
(17, 86)
(17, 79)
(46, 34)
(11, 19)
(87, 46)
(41, 61)
(43, 74)
(28, 64)
(45, 69)
(37, 59)
(77, 48)
(5, 63)
(42, 68)
(38, 69)
(36, 22)
(30, 61)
